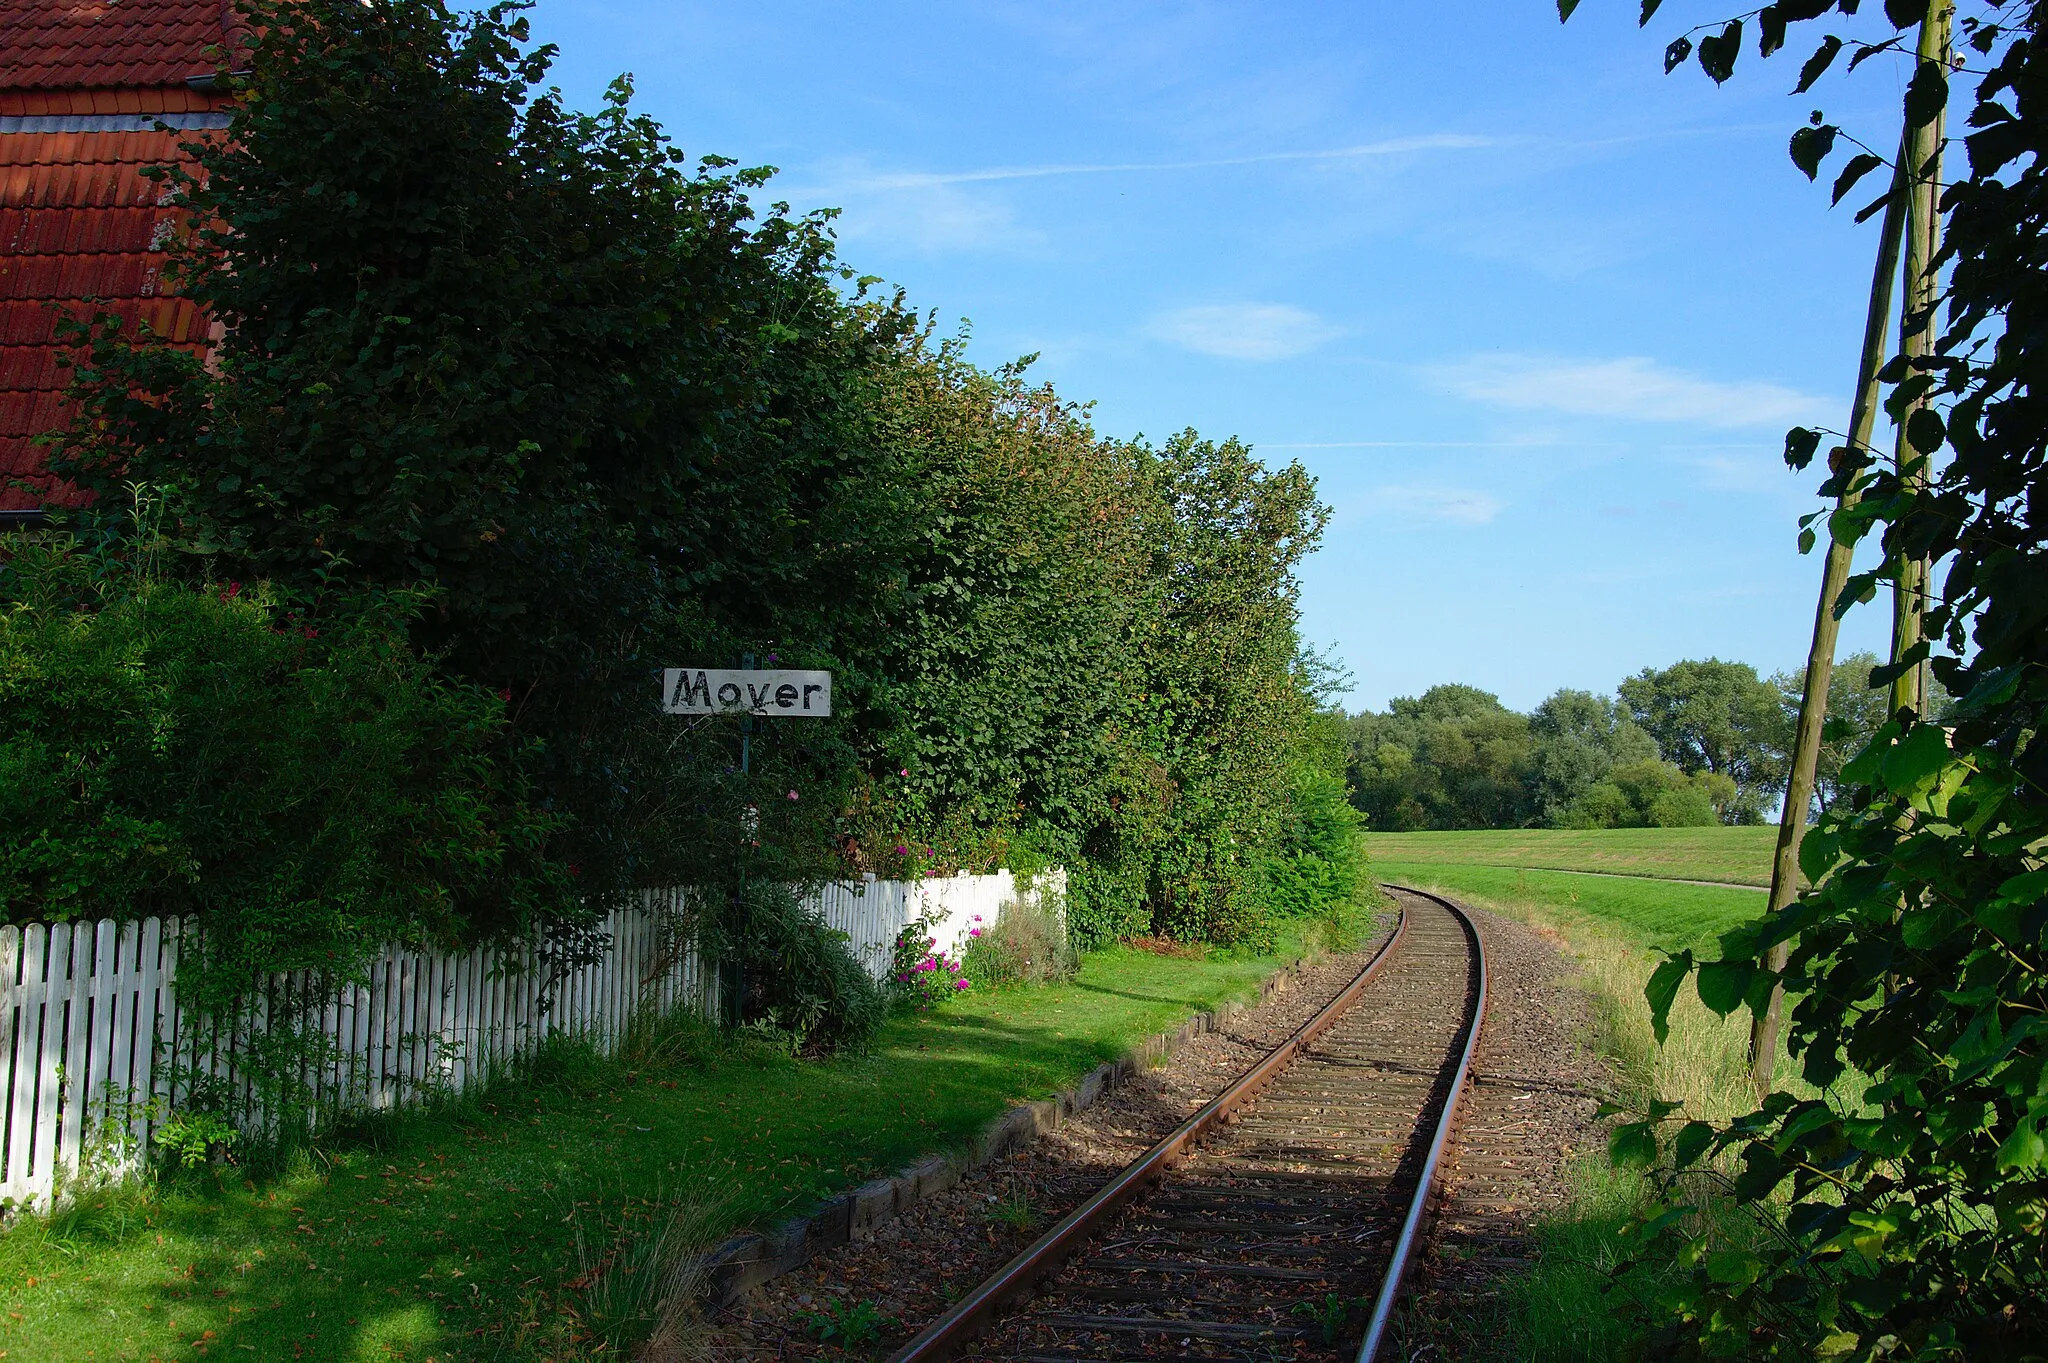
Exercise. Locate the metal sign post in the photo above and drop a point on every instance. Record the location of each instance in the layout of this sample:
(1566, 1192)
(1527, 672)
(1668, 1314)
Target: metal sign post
(750, 693)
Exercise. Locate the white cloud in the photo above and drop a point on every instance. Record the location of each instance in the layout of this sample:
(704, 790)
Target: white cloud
(934, 217)
(1633, 388)
(1243, 331)
(860, 181)
(1459, 506)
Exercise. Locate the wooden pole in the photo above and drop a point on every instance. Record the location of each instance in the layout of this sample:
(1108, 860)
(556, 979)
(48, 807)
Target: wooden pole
(1923, 243)
(1820, 656)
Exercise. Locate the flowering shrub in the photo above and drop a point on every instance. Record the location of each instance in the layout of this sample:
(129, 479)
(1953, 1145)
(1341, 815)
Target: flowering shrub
(920, 975)
(1027, 944)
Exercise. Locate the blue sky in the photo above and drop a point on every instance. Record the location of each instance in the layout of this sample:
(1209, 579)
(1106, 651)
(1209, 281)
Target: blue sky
(1534, 314)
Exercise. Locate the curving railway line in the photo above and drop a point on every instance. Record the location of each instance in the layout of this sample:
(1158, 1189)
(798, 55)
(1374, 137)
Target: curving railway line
(1278, 1220)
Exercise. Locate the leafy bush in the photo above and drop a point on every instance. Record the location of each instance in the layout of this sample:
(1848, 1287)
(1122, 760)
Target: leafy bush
(1027, 944)
(1900, 1205)
(796, 973)
(920, 975)
(616, 416)
(309, 792)
(1650, 794)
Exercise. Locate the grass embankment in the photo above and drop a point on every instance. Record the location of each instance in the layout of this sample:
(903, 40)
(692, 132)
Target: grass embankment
(1735, 856)
(1613, 929)
(528, 1223)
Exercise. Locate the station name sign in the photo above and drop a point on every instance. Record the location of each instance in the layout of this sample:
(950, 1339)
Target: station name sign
(785, 694)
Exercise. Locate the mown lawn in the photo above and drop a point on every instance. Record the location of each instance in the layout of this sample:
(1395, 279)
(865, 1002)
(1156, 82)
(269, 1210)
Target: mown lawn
(525, 1224)
(1739, 856)
(1648, 913)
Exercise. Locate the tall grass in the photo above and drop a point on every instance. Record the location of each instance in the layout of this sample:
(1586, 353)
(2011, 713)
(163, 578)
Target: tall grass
(1570, 1306)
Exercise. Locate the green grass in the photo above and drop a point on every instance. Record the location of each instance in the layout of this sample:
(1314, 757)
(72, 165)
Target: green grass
(1737, 856)
(528, 1223)
(1563, 1308)
(1646, 913)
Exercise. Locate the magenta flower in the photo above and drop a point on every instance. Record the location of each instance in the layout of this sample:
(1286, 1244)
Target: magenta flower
(901, 850)
(792, 795)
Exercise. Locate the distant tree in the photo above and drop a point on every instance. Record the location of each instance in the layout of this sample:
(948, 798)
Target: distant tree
(1855, 711)
(1650, 793)
(1455, 757)
(1579, 739)
(1719, 717)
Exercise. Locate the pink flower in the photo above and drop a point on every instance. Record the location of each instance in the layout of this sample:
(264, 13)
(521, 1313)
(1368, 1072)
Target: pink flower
(901, 850)
(792, 795)
(959, 984)
(905, 771)
(974, 932)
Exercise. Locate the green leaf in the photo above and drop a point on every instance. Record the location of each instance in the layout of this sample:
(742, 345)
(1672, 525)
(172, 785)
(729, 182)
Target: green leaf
(1632, 1146)
(2024, 1149)
(1995, 687)
(1924, 429)
(1816, 66)
(1926, 94)
(1663, 989)
(1676, 53)
(1806, 540)
(1859, 165)
(1723, 984)
(1693, 1140)
(1650, 8)
(1837, 1344)
(1565, 8)
(1875, 206)
(1916, 761)
(1810, 146)
(1905, 13)
(1770, 22)
(1718, 52)
(1800, 443)
(1734, 1267)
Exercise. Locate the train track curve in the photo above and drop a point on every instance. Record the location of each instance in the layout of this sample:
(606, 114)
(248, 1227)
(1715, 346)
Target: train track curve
(1277, 1221)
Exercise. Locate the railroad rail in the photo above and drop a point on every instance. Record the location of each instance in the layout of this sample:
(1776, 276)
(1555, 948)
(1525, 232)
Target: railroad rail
(1266, 1224)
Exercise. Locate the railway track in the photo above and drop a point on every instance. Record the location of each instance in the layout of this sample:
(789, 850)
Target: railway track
(1277, 1221)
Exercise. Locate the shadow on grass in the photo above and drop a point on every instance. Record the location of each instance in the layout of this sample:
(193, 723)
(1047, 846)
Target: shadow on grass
(488, 1229)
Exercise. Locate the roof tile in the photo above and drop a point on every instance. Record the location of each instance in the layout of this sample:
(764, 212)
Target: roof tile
(71, 44)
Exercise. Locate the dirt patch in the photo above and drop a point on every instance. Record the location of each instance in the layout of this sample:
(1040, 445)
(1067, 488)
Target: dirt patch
(1528, 1115)
(922, 1261)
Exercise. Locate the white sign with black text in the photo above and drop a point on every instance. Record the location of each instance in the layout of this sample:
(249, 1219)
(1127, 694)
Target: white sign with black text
(769, 692)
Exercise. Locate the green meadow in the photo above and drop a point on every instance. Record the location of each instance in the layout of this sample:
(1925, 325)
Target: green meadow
(539, 1219)
(1736, 856)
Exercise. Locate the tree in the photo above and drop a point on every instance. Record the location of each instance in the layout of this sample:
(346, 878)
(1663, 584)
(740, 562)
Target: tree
(1580, 738)
(1455, 757)
(1902, 1191)
(1856, 710)
(1714, 716)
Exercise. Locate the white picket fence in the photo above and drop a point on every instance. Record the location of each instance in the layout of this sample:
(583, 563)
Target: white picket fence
(96, 1053)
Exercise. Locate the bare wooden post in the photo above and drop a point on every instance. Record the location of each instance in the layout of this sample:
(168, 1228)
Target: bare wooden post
(1820, 656)
(1916, 338)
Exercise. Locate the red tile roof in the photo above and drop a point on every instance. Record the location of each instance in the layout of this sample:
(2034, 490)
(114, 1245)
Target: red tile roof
(64, 44)
(80, 84)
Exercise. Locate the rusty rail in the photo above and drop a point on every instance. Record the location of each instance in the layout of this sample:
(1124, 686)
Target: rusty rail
(1016, 1281)
(1411, 1225)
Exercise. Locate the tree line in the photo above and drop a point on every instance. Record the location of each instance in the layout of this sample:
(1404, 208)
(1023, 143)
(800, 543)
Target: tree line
(514, 406)
(1701, 742)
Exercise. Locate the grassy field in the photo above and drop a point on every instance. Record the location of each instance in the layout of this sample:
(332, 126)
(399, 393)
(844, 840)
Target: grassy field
(535, 1222)
(1647, 913)
(1737, 856)
(1615, 928)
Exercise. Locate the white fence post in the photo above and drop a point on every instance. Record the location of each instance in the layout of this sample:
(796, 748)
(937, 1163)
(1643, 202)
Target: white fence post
(93, 1039)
